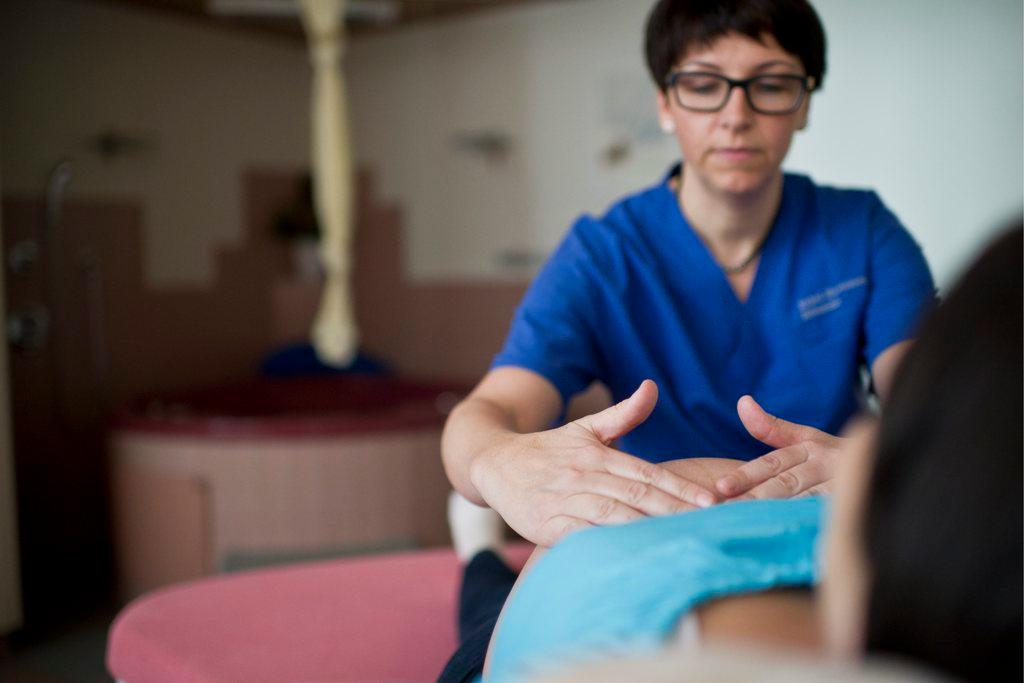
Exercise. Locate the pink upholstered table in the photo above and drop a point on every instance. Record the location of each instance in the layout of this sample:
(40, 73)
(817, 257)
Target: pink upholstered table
(379, 619)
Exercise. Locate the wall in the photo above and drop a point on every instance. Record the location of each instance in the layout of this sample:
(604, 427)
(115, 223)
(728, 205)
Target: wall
(207, 103)
(544, 74)
(923, 101)
(564, 78)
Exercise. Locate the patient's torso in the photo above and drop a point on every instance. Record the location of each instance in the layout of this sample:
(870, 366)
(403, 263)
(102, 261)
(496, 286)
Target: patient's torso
(702, 471)
(623, 589)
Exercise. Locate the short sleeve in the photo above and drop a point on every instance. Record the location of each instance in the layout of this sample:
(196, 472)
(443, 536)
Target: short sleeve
(552, 332)
(901, 287)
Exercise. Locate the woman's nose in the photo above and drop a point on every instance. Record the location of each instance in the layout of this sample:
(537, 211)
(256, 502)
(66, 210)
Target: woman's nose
(737, 111)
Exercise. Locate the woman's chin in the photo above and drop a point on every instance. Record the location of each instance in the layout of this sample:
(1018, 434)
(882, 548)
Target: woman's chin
(743, 182)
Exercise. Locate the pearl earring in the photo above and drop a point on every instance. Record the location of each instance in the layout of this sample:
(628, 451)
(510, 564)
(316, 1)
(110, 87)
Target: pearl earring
(668, 126)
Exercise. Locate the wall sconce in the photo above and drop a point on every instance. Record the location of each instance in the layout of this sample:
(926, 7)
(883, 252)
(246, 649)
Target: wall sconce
(111, 144)
(616, 152)
(519, 258)
(493, 146)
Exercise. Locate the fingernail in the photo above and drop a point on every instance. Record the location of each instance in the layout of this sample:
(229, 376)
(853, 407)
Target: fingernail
(725, 484)
(705, 500)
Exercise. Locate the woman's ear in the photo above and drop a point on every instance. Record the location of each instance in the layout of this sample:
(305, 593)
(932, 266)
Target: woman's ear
(665, 119)
(805, 113)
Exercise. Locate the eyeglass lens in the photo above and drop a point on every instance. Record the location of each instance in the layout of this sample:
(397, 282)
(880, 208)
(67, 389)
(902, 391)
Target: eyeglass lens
(709, 92)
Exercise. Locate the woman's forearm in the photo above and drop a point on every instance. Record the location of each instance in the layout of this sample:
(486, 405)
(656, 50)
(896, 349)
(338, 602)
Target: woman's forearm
(473, 426)
(509, 401)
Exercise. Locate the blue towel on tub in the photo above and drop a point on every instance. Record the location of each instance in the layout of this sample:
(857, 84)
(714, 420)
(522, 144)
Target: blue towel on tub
(623, 589)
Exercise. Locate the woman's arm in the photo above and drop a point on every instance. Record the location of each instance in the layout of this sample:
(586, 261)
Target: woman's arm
(884, 368)
(548, 483)
(507, 401)
(806, 459)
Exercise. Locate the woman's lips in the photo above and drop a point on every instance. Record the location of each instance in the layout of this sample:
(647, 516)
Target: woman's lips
(735, 153)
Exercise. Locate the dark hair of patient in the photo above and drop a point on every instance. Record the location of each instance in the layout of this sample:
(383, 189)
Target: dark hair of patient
(943, 528)
(674, 27)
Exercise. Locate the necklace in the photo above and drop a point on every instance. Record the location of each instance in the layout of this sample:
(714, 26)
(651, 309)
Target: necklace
(741, 266)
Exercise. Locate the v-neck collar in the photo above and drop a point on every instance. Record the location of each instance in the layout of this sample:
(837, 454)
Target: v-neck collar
(709, 269)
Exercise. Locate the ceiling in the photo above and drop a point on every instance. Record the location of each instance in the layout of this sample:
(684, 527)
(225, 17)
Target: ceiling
(408, 12)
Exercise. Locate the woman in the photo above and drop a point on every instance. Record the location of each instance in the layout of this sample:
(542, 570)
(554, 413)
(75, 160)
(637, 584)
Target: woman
(726, 278)
(924, 557)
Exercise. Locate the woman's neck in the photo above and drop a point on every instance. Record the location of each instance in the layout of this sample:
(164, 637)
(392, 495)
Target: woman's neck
(732, 225)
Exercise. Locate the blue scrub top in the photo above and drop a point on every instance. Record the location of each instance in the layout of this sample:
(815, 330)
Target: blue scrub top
(623, 589)
(636, 294)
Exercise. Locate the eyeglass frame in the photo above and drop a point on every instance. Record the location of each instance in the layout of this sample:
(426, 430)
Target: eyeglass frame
(743, 84)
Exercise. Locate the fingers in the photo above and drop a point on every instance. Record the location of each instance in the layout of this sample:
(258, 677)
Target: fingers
(788, 484)
(599, 510)
(774, 431)
(756, 472)
(621, 418)
(613, 501)
(646, 498)
(808, 477)
(629, 467)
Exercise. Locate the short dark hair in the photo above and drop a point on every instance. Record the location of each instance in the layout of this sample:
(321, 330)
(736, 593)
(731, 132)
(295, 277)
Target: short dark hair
(943, 512)
(674, 27)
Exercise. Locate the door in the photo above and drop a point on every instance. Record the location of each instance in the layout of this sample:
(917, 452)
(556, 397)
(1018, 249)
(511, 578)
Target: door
(10, 588)
(53, 282)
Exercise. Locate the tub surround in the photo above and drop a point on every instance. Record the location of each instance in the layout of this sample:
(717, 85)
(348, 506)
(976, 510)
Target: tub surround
(281, 469)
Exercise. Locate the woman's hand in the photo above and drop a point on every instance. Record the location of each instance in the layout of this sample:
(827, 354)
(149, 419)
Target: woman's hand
(803, 464)
(547, 484)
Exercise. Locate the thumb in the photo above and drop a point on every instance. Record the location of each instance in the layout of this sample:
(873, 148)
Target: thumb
(771, 430)
(623, 417)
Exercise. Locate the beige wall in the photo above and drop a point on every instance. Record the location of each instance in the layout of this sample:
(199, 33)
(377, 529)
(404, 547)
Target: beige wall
(559, 78)
(564, 79)
(213, 103)
(10, 592)
(923, 101)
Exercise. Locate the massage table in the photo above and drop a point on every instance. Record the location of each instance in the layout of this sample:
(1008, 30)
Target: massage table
(372, 619)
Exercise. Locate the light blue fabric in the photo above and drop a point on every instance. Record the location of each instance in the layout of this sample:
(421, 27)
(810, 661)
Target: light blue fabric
(635, 294)
(622, 589)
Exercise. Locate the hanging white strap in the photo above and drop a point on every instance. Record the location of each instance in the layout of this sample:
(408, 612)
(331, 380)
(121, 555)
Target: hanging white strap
(334, 333)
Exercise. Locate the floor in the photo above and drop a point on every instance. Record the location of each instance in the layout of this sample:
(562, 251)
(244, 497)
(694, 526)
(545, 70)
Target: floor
(71, 654)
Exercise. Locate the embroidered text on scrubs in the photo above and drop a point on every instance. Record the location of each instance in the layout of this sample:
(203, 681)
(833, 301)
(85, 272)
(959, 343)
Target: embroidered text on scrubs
(827, 299)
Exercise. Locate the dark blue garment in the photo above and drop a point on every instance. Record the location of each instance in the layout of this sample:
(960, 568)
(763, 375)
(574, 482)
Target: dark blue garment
(486, 583)
(636, 295)
(301, 360)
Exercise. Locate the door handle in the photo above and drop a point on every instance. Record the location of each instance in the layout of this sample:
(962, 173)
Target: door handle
(28, 327)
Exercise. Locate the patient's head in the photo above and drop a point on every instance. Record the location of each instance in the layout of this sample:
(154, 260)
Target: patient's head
(925, 551)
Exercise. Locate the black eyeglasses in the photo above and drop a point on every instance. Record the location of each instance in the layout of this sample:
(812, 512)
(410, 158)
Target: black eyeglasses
(766, 94)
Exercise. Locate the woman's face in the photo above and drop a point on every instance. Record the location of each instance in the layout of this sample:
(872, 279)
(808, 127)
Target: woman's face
(734, 150)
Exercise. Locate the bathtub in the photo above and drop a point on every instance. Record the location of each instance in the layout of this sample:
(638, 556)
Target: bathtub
(269, 470)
